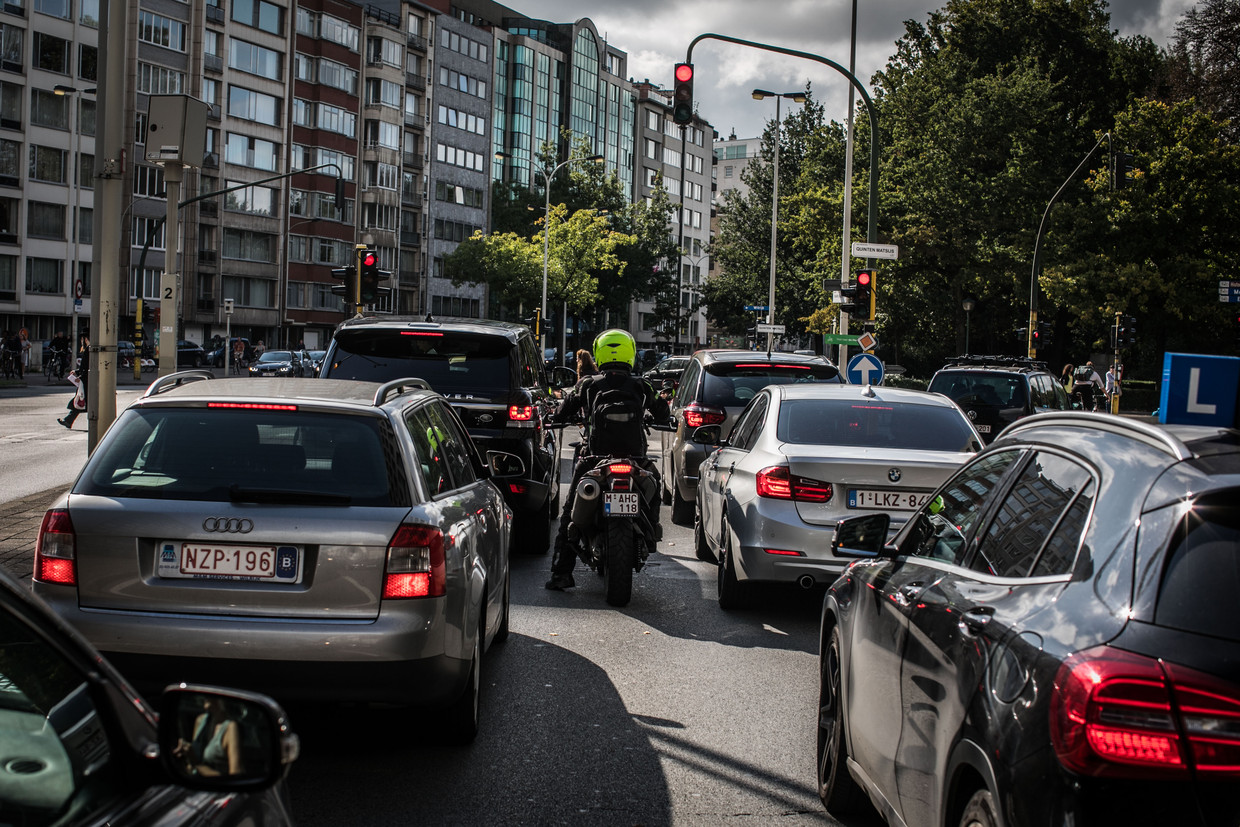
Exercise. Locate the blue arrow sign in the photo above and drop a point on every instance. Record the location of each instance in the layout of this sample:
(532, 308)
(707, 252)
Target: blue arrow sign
(865, 369)
(757, 308)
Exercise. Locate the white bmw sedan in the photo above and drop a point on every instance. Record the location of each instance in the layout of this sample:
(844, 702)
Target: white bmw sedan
(803, 457)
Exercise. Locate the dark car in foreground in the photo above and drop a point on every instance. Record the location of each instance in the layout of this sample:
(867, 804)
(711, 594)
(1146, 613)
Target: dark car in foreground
(78, 745)
(995, 391)
(493, 377)
(1053, 639)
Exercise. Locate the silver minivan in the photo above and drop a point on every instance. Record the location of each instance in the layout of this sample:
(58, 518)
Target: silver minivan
(308, 539)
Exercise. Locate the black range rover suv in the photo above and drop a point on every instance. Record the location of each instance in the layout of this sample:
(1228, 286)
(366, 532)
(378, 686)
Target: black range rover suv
(995, 391)
(492, 375)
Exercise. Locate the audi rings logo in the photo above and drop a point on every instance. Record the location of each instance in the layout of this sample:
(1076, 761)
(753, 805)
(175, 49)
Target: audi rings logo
(228, 525)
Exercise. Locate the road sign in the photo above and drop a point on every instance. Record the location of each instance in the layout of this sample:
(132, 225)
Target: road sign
(757, 308)
(1199, 390)
(78, 289)
(866, 341)
(770, 328)
(861, 249)
(839, 339)
(1229, 291)
(865, 369)
(77, 305)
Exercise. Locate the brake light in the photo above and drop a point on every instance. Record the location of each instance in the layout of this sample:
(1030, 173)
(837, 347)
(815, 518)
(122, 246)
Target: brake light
(520, 413)
(779, 483)
(620, 468)
(252, 406)
(698, 415)
(517, 487)
(415, 564)
(419, 333)
(784, 552)
(55, 551)
(1118, 714)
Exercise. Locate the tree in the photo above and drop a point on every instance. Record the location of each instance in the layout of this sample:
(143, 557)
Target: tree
(1205, 61)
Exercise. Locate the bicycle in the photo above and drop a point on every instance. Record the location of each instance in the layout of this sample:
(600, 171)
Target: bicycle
(55, 366)
(9, 364)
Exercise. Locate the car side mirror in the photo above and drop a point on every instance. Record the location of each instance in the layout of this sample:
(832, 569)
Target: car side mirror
(504, 465)
(562, 378)
(708, 435)
(864, 536)
(254, 725)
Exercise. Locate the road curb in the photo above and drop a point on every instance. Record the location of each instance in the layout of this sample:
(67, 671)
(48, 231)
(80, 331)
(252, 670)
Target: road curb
(19, 530)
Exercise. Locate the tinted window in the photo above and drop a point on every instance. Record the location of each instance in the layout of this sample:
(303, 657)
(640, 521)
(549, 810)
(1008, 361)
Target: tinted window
(747, 427)
(427, 444)
(688, 383)
(224, 455)
(1038, 527)
(453, 446)
(733, 384)
(941, 529)
(1000, 390)
(1202, 576)
(452, 362)
(874, 424)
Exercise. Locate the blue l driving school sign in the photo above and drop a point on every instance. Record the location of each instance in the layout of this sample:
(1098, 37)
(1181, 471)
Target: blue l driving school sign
(1199, 390)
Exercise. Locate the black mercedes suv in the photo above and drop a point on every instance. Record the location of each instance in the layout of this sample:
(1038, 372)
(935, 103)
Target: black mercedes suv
(995, 391)
(493, 376)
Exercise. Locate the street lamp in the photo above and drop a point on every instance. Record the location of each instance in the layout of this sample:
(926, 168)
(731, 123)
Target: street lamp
(547, 176)
(799, 97)
(968, 305)
(75, 125)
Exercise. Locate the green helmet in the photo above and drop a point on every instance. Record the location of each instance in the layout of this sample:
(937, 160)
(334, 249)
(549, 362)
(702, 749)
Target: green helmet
(615, 346)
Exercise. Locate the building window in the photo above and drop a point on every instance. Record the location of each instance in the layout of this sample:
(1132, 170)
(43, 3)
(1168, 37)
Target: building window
(248, 292)
(248, 245)
(47, 164)
(161, 31)
(53, 8)
(253, 106)
(255, 200)
(8, 278)
(44, 276)
(10, 166)
(255, 60)
(12, 39)
(251, 152)
(45, 220)
(159, 80)
(260, 14)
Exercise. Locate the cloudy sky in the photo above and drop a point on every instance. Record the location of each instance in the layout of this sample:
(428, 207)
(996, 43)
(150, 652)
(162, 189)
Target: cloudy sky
(657, 33)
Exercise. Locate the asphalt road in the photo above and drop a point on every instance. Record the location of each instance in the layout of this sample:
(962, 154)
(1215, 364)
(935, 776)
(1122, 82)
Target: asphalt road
(667, 712)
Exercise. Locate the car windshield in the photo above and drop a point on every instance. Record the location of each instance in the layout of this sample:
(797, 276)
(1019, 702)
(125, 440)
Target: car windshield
(451, 361)
(1001, 390)
(733, 384)
(874, 424)
(276, 356)
(285, 456)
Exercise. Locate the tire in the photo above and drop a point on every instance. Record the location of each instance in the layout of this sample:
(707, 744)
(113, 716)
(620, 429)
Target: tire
(700, 546)
(840, 794)
(980, 811)
(682, 510)
(532, 529)
(48, 372)
(461, 721)
(618, 567)
(501, 634)
(730, 591)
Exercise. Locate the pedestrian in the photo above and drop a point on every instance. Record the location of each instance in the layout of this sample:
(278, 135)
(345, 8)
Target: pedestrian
(24, 337)
(585, 365)
(1086, 382)
(79, 377)
(12, 346)
(259, 348)
(1065, 376)
(1112, 388)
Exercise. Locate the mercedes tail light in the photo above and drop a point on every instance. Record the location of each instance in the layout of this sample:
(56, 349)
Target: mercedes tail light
(415, 564)
(1120, 714)
(698, 415)
(779, 483)
(55, 552)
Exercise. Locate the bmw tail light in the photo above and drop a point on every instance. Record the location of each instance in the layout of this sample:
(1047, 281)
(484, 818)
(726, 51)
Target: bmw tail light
(415, 564)
(55, 552)
(779, 483)
(1120, 714)
(698, 415)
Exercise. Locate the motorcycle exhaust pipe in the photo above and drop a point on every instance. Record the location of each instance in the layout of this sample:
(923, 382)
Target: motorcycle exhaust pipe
(585, 506)
(805, 582)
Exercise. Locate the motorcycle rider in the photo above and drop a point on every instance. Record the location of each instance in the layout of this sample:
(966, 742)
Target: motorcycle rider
(615, 354)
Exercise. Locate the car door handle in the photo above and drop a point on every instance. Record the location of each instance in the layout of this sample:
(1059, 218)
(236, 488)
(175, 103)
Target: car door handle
(974, 621)
(907, 593)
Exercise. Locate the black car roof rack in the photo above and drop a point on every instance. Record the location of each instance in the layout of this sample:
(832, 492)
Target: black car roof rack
(996, 361)
(398, 386)
(176, 380)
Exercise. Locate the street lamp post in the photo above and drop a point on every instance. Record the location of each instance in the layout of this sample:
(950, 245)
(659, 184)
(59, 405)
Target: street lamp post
(968, 305)
(799, 97)
(74, 229)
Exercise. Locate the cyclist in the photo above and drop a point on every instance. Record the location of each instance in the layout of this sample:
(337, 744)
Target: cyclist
(12, 354)
(59, 346)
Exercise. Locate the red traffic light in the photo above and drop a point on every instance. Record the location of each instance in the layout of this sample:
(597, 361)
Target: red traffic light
(863, 278)
(684, 72)
(368, 260)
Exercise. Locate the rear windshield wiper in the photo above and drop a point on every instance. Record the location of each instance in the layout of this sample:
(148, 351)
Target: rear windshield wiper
(274, 495)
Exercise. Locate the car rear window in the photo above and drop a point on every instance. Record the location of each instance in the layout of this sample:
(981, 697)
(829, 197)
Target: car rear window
(1202, 575)
(733, 384)
(874, 424)
(452, 362)
(1002, 390)
(207, 454)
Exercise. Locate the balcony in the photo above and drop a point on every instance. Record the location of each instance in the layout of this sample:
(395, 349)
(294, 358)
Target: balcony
(417, 43)
(409, 238)
(415, 120)
(410, 199)
(211, 160)
(209, 208)
(213, 63)
(413, 159)
(415, 81)
(208, 258)
(215, 14)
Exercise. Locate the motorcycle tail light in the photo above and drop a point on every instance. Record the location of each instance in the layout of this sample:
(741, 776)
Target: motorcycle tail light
(620, 468)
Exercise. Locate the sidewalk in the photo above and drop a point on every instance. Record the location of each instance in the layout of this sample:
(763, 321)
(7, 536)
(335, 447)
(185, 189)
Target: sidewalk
(19, 529)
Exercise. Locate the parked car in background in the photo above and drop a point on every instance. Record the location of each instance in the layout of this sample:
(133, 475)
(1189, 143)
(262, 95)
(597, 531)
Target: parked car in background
(326, 540)
(216, 357)
(995, 391)
(1053, 639)
(81, 746)
(312, 361)
(801, 458)
(669, 370)
(714, 389)
(492, 375)
(190, 354)
(277, 363)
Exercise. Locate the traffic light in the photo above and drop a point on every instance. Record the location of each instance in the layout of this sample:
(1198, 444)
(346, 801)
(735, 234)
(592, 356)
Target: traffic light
(1043, 336)
(1123, 164)
(849, 300)
(345, 274)
(1126, 331)
(682, 94)
(369, 276)
(863, 298)
(1022, 334)
(148, 313)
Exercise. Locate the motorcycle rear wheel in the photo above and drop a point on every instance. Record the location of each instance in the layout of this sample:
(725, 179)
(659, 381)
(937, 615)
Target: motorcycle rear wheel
(618, 566)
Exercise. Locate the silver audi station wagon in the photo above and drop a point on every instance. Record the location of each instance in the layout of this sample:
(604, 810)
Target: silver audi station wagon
(308, 539)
